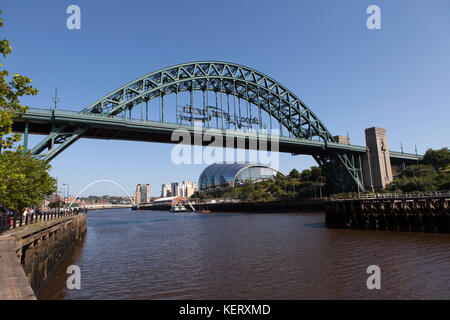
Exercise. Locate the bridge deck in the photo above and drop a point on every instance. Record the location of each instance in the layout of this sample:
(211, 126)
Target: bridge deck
(41, 121)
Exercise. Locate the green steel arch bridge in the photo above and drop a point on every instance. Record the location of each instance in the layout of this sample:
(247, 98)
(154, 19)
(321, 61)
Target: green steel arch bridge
(225, 98)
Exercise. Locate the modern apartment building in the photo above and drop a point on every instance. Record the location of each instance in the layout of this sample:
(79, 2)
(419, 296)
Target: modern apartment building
(142, 193)
(166, 190)
(175, 189)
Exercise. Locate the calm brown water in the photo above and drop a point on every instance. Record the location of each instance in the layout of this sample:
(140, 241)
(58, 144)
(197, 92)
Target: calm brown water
(159, 255)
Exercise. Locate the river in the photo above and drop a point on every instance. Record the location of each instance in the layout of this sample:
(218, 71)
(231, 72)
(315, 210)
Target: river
(160, 255)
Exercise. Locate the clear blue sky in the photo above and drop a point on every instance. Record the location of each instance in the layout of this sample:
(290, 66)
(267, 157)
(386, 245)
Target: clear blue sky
(353, 78)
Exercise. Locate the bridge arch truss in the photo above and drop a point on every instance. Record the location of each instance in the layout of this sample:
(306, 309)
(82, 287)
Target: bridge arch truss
(219, 77)
(255, 89)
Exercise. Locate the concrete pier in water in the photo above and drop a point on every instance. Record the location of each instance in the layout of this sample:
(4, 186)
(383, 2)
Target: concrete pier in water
(419, 213)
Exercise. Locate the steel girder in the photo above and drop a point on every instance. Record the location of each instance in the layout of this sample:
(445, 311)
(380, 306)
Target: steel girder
(56, 142)
(333, 164)
(229, 78)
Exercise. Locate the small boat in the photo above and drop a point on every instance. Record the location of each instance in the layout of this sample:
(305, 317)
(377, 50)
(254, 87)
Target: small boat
(205, 211)
(178, 208)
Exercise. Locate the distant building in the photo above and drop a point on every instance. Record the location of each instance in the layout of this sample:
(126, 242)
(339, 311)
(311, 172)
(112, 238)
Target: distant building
(228, 175)
(142, 193)
(175, 189)
(188, 188)
(166, 191)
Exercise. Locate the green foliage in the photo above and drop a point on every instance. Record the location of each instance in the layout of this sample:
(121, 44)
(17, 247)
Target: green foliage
(294, 174)
(422, 177)
(306, 175)
(24, 180)
(279, 176)
(11, 89)
(295, 186)
(439, 159)
(432, 174)
(316, 174)
(419, 170)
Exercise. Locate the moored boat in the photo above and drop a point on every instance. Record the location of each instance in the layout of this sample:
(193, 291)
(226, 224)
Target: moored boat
(178, 208)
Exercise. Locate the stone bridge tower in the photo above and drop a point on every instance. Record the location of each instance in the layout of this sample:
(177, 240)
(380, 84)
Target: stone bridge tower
(377, 163)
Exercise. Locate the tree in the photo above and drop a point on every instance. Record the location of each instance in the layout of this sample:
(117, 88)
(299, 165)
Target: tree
(24, 180)
(417, 170)
(279, 176)
(306, 175)
(294, 174)
(316, 174)
(421, 177)
(11, 89)
(439, 159)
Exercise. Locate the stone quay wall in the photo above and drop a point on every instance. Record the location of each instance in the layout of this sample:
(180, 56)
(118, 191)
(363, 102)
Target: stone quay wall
(30, 255)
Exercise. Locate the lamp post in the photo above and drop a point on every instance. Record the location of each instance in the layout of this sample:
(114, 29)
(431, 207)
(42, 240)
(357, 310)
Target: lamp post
(56, 191)
(68, 193)
(60, 195)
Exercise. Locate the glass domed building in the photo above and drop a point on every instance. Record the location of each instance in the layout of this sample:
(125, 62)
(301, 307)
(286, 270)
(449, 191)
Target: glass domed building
(226, 175)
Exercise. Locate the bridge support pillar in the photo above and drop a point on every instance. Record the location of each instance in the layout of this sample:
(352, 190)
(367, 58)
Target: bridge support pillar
(377, 163)
(25, 137)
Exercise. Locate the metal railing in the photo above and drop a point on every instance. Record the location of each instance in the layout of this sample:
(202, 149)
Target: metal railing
(155, 122)
(10, 220)
(417, 194)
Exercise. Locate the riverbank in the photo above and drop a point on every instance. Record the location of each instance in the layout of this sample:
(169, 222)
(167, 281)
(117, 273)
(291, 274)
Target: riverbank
(251, 207)
(30, 254)
(106, 206)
